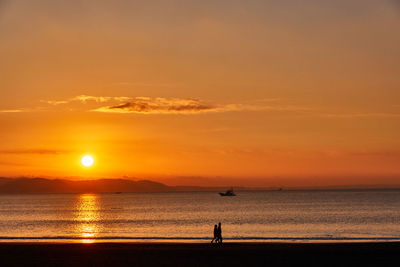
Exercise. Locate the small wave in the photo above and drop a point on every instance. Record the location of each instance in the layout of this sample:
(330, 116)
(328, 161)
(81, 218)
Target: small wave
(248, 238)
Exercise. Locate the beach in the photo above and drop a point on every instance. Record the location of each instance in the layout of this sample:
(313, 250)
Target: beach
(199, 254)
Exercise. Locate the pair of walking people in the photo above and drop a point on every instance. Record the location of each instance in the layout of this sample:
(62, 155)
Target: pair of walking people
(217, 234)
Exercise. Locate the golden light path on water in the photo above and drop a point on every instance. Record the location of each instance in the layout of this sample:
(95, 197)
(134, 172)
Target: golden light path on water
(87, 216)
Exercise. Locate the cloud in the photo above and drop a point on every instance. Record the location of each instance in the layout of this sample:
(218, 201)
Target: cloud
(99, 99)
(87, 98)
(160, 105)
(34, 151)
(147, 105)
(55, 102)
(11, 110)
(360, 115)
(377, 153)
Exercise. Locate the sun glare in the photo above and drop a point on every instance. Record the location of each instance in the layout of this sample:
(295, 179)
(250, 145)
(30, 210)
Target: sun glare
(87, 161)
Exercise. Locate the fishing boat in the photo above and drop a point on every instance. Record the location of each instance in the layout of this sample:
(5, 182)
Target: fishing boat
(228, 193)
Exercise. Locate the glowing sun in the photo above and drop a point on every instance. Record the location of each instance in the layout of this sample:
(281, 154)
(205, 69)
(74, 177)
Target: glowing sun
(87, 161)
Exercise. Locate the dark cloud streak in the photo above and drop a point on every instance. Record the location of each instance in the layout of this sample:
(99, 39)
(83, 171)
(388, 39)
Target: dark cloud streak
(160, 105)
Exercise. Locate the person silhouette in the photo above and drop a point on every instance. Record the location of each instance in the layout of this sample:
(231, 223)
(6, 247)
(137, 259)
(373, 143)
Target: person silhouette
(219, 233)
(215, 234)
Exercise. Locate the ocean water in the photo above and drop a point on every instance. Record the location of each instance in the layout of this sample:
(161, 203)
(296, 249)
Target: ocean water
(183, 216)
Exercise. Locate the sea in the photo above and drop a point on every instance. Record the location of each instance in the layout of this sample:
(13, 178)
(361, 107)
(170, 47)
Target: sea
(262, 216)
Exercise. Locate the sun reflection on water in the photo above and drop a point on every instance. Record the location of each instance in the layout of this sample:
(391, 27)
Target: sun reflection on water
(87, 216)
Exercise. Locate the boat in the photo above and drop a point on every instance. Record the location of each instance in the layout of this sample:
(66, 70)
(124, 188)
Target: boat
(228, 193)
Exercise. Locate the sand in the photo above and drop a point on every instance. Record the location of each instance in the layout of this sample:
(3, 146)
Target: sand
(191, 254)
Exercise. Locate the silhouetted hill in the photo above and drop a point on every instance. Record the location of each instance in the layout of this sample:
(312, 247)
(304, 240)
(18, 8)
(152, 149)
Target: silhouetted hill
(42, 185)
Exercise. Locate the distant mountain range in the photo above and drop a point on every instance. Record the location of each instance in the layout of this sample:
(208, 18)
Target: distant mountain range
(43, 185)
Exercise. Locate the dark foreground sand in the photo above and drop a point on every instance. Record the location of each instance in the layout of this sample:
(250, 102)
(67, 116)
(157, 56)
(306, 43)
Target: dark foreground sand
(185, 254)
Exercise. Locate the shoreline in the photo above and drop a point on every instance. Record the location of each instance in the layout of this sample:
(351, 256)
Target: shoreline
(86, 241)
(194, 243)
(190, 240)
(199, 254)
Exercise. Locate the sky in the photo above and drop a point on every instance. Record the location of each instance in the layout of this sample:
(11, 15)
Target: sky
(257, 93)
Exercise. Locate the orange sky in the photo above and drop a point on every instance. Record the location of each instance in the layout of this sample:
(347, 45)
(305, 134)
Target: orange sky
(203, 92)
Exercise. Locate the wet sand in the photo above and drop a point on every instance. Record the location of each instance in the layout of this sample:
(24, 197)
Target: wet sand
(191, 254)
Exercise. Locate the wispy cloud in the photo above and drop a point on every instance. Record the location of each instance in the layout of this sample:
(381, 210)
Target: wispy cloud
(55, 102)
(34, 151)
(377, 153)
(99, 99)
(87, 98)
(360, 115)
(11, 110)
